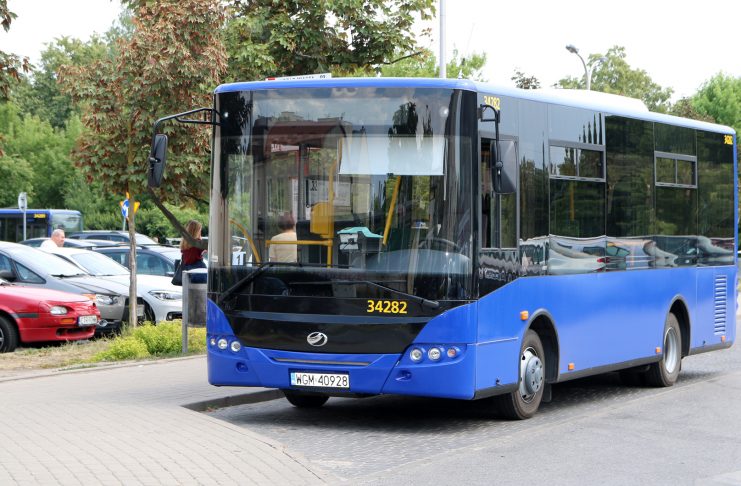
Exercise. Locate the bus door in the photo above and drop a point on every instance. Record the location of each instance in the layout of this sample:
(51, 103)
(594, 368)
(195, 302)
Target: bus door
(498, 256)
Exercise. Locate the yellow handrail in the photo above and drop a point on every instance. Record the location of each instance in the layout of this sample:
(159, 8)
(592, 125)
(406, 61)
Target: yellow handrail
(249, 239)
(390, 214)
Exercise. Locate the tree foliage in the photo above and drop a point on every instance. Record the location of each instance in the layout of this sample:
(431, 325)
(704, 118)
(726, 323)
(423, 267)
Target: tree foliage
(11, 66)
(172, 59)
(614, 75)
(425, 65)
(268, 37)
(720, 98)
(523, 81)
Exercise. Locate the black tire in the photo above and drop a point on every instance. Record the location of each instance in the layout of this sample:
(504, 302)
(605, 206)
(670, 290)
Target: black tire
(8, 336)
(149, 314)
(524, 402)
(665, 372)
(305, 400)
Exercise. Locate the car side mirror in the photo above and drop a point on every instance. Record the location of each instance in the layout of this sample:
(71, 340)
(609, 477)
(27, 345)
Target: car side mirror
(157, 158)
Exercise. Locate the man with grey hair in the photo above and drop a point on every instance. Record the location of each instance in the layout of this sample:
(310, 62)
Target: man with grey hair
(56, 240)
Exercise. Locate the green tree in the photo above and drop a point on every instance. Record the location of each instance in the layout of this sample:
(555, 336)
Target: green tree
(40, 95)
(268, 37)
(16, 176)
(173, 59)
(11, 66)
(720, 99)
(523, 81)
(614, 75)
(425, 65)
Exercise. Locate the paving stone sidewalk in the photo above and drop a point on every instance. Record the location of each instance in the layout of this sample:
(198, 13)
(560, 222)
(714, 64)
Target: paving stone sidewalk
(130, 425)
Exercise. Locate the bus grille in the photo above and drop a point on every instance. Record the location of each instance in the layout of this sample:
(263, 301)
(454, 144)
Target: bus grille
(721, 304)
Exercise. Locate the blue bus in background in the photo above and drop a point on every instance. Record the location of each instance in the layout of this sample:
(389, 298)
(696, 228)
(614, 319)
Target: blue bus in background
(449, 238)
(39, 222)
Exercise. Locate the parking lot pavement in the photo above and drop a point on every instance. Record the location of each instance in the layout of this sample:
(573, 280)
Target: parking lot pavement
(129, 425)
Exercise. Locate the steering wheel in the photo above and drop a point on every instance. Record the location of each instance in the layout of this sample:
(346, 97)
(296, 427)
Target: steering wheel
(435, 243)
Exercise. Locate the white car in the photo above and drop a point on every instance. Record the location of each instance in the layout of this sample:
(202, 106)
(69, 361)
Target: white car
(162, 300)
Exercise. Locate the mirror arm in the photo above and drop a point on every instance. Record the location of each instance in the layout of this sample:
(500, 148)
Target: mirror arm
(179, 117)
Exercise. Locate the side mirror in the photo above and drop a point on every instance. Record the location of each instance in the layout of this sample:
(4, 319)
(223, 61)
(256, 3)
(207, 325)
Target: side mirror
(505, 167)
(157, 158)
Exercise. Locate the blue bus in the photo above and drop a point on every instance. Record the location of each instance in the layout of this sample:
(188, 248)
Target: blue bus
(449, 238)
(39, 223)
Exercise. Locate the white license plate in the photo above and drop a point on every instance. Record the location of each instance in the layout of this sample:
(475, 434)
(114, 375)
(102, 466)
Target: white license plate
(140, 310)
(320, 380)
(87, 320)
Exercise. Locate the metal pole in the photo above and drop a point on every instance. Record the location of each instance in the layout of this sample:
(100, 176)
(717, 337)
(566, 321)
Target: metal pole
(443, 67)
(186, 316)
(24, 224)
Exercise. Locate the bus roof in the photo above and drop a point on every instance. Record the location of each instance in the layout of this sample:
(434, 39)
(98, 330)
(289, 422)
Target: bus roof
(592, 100)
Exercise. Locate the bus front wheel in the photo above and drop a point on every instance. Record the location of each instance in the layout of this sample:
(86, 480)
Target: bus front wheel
(665, 372)
(524, 402)
(305, 400)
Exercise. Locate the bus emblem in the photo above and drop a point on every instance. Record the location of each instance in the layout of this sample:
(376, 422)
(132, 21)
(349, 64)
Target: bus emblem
(317, 339)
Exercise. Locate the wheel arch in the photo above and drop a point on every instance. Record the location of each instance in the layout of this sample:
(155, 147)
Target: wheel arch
(542, 323)
(679, 308)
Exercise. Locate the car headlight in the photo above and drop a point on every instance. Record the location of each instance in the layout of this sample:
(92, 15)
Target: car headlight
(58, 310)
(166, 295)
(103, 299)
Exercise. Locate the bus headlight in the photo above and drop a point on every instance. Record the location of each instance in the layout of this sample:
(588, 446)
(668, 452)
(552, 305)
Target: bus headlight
(434, 354)
(416, 355)
(223, 343)
(235, 346)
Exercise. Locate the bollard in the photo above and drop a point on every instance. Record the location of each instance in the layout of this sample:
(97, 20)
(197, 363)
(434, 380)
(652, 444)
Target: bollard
(194, 301)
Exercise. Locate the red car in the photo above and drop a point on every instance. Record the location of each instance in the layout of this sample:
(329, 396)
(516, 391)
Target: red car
(30, 314)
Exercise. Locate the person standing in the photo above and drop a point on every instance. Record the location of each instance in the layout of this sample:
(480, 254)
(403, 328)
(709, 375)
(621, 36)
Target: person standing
(56, 240)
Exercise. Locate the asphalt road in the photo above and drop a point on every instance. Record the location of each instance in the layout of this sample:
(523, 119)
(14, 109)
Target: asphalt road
(595, 431)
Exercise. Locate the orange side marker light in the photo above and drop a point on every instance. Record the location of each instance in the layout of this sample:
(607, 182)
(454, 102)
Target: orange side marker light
(524, 315)
(658, 349)
(571, 366)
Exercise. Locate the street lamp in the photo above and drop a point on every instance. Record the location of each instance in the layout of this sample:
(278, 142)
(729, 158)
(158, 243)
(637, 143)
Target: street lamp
(587, 69)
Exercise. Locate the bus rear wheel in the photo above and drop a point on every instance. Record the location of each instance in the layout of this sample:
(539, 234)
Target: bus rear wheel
(665, 372)
(524, 402)
(305, 400)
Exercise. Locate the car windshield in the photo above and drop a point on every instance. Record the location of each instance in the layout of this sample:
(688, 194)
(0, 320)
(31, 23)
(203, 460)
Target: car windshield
(98, 265)
(44, 263)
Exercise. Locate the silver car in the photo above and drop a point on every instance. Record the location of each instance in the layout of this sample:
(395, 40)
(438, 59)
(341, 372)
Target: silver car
(163, 301)
(35, 268)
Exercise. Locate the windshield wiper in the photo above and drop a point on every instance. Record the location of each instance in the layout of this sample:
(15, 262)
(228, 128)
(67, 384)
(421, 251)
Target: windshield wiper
(244, 281)
(432, 304)
(65, 275)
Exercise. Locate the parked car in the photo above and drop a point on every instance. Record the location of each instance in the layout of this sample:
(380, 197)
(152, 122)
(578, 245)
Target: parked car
(71, 243)
(35, 268)
(150, 260)
(112, 235)
(162, 300)
(36, 315)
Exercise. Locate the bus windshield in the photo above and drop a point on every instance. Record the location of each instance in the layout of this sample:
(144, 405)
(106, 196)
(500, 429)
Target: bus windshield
(333, 184)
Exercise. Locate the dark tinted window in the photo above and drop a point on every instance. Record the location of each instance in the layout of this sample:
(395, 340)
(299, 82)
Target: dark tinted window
(676, 211)
(715, 191)
(577, 208)
(678, 140)
(630, 178)
(574, 125)
(576, 162)
(533, 171)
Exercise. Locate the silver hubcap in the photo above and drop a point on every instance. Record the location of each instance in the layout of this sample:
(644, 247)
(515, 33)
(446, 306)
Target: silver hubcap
(671, 350)
(531, 374)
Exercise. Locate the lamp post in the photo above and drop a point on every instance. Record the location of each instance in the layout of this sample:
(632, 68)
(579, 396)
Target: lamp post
(588, 69)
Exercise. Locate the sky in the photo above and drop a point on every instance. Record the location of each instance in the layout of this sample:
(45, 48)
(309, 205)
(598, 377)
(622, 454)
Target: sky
(680, 44)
